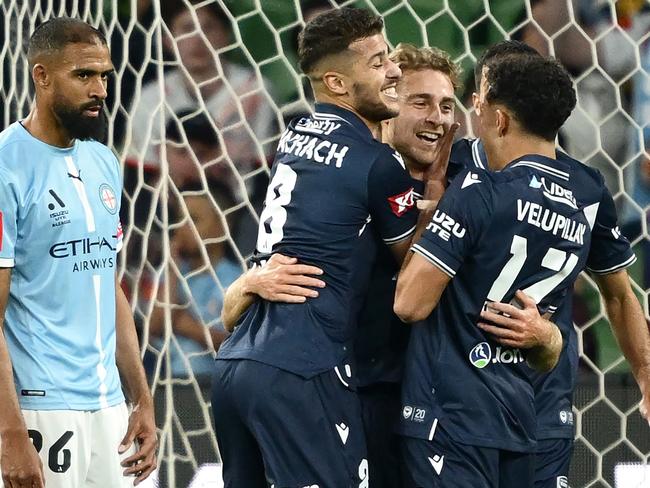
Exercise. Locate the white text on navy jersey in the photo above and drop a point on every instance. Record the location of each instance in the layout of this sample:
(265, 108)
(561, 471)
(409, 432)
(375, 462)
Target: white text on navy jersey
(550, 221)
(313, 148)
(444, 226)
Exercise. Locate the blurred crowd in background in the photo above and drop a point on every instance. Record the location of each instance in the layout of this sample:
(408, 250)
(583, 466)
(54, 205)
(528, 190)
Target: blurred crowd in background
(198, 102)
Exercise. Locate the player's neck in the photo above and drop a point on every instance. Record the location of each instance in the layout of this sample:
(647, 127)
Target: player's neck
(517, 148)
(43, 125)
(374, 127)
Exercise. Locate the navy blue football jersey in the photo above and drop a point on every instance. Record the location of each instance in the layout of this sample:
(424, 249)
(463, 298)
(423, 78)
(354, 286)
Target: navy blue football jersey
(382, 338)
(527, 227)
(611, 252)
(329, 179)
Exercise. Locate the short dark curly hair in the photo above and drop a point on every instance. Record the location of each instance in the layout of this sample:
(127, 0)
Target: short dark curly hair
(56, 33)
(537, 90)
(332, 32)
(499, 50)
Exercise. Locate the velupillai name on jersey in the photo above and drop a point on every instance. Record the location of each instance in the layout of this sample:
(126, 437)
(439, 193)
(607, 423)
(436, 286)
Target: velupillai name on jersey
(312, 148)
(550, 221)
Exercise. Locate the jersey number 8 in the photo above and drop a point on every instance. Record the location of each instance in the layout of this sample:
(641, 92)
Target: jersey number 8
(274, 215)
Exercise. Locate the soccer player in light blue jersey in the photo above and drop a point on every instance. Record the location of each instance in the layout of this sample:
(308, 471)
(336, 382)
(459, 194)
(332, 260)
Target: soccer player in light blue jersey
(66, 329)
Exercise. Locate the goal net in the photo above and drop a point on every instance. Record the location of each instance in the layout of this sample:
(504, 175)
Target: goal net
(201, 92)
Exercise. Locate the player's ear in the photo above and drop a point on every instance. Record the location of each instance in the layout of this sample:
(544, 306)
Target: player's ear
(335, 82)
(40, 76)
(476, 103)
(503, 122)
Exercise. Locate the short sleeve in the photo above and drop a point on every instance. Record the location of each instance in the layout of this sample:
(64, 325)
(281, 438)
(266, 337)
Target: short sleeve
(8, 220)
(391, 198)
(119, 231)
(119, 236)
(610, 250)
(462, 213)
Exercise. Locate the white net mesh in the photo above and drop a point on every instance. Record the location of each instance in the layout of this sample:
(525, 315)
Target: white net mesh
(202, 91)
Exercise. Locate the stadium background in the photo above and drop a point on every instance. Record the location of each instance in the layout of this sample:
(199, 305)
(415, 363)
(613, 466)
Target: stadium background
(178, 148)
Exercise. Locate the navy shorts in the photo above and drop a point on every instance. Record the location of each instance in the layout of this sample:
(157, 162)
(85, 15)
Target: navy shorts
(445, 463)
(552, 461)
(280, 429)
(381, 405)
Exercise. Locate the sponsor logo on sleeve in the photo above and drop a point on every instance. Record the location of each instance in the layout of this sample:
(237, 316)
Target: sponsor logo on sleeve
(562, 482)
(415, 414)
(402, 202)
(444, 226)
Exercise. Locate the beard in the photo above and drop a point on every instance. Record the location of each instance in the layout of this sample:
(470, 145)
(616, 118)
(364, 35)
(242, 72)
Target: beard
(80, 126)
(370, 105)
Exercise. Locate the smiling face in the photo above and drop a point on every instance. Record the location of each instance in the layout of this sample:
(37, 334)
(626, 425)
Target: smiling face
(427, 108)
(373, 78)
(79, 76)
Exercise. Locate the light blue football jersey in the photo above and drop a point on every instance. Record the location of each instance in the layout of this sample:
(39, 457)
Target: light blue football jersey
(60, 232)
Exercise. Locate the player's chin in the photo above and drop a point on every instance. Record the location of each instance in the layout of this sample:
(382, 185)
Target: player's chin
(391, 105)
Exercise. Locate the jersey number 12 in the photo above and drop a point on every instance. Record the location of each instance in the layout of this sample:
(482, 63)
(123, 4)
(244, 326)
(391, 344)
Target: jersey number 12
(554, 259)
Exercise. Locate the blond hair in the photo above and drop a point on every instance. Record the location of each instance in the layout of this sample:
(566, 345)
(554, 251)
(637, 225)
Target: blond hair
(411, 58)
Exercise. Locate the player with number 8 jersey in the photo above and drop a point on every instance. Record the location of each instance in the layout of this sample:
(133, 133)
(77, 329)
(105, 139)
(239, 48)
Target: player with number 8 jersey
(284, 408)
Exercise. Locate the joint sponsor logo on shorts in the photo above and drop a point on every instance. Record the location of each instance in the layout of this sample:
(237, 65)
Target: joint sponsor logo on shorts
(108, 199)
(566, 417)
(402, 202)
(437, 463)
(415, 414)
(562, 482)
(445, 226)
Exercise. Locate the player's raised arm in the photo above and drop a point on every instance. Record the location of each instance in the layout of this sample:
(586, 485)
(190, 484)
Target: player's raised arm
(142, 426)
(434, 181)
(630, 327)
(19, 461)
(280, 279)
